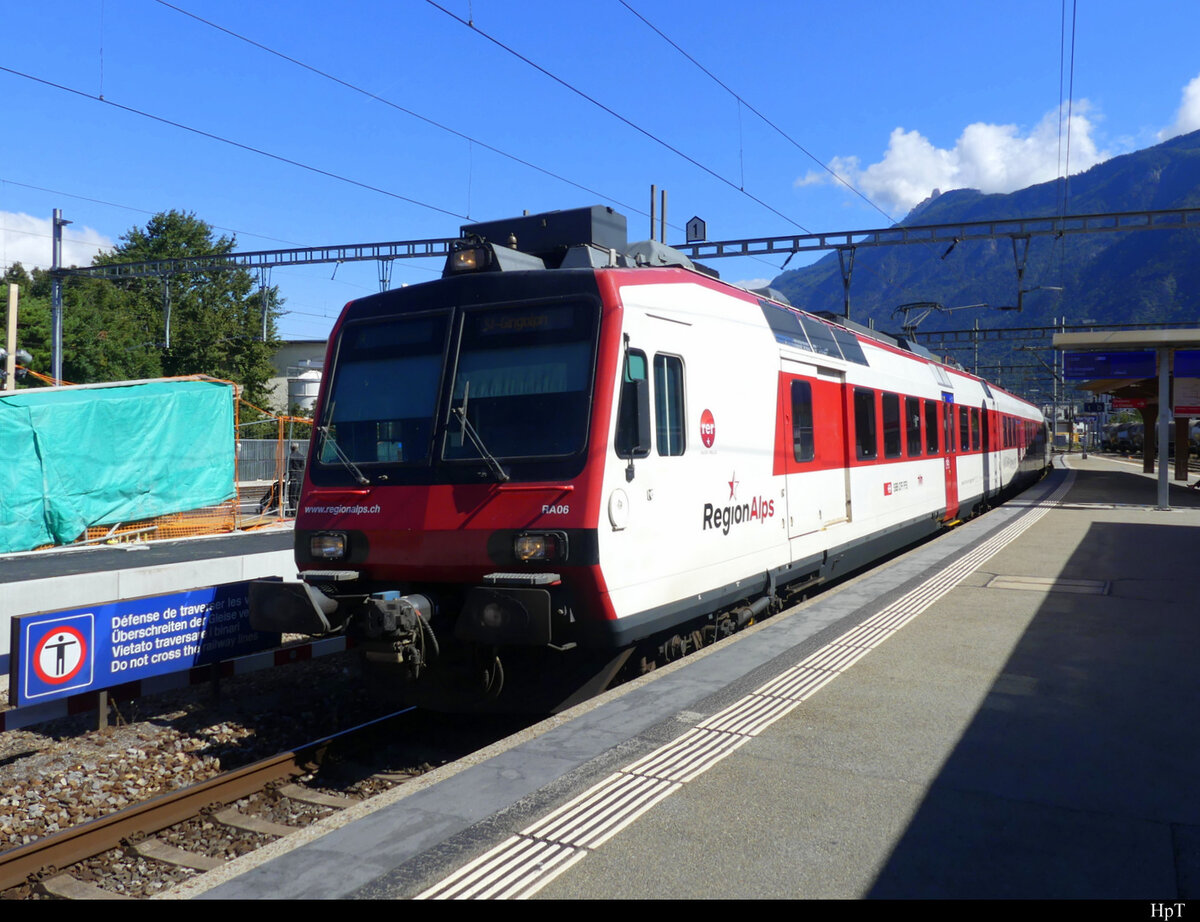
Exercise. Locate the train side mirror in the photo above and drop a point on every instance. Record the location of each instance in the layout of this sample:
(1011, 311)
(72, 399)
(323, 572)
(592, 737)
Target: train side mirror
(633, 411)
(633, 424)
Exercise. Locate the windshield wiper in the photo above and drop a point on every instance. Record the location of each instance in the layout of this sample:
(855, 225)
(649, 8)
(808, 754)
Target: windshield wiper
(331, 441)
(469, 431)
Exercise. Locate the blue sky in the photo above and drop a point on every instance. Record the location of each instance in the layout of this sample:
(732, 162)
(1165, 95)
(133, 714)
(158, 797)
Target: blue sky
(898, 98)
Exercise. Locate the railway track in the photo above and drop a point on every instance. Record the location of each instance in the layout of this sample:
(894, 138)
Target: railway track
(148, 848)
(139, 829)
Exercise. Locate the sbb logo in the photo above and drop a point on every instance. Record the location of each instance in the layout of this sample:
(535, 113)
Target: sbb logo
(708, 429)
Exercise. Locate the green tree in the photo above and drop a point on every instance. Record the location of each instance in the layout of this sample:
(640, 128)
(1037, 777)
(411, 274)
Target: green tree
(216, 315)
(104, 339)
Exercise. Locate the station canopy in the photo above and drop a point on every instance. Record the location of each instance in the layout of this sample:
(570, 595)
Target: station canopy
(1125, 363)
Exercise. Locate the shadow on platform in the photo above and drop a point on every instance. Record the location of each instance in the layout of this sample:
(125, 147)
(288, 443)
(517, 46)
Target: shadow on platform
(1076, 778)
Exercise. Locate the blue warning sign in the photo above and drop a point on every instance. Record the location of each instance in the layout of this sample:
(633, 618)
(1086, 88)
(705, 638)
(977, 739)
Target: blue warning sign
(58, 651)
(67, 652)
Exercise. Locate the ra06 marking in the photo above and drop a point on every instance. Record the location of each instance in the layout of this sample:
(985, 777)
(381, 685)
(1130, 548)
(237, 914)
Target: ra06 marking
(724, 517)
(556, 510)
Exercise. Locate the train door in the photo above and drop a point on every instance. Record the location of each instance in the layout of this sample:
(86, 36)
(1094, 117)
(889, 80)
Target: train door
(985, 423)
(631, 511)
(813, 447)
(949, 441)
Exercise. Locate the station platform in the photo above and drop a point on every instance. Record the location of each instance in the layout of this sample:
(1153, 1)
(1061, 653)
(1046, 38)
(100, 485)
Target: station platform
(1005, 712)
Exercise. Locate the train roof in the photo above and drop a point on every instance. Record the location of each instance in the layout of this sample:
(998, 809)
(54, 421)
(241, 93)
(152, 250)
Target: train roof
(596, 237)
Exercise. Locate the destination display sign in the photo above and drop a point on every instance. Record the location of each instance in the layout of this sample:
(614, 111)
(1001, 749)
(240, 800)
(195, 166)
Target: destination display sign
(1083, 366)
(56, 654)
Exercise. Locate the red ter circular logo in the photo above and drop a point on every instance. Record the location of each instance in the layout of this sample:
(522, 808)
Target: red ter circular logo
(708, 429)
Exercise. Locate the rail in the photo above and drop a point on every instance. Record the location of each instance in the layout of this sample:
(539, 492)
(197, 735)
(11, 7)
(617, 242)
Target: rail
(46, 856)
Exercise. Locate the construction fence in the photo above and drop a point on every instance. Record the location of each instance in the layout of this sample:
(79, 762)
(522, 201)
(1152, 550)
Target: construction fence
(270, 470)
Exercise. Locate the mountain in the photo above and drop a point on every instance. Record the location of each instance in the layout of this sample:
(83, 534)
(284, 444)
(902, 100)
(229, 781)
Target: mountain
(1125, 277)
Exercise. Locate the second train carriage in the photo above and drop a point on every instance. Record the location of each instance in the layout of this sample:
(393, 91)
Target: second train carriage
(571, 446)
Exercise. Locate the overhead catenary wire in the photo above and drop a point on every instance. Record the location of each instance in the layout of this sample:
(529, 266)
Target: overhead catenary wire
(621, 118)
(394, 105)
(743, 102)
(250, 148)
(97, 201)
(1070, 110)
(230, 141)
(471, 140)
(1067, 70)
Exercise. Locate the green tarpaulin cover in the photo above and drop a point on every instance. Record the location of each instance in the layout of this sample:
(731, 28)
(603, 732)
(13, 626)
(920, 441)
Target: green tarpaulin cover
(77, 457)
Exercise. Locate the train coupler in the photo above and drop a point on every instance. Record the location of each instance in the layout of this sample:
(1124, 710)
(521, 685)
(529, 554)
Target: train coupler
(397, 630)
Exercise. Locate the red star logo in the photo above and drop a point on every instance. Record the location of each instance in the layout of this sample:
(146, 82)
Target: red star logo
(733, 485)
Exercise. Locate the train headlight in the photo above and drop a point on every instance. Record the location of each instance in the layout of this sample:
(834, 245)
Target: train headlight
(475, 255)
(539, 546)
(530, 547)
(468, 259)
(327, 546)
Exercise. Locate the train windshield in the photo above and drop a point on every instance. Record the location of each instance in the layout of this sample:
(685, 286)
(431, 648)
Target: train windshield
(385, 390)
(459, 394)
(522, 383)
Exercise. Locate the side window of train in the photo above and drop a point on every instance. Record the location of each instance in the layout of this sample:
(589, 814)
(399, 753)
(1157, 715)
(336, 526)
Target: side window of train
(866, 442)
(891, 425)
(802, 421)
(633, 411)
(668, 404)
(912, 424)
(931, 427)
(964, 429)
(975, 430)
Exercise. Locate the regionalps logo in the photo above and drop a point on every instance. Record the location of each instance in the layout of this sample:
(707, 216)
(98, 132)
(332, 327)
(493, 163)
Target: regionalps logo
(737, 513)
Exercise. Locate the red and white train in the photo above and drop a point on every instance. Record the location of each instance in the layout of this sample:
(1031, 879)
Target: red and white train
(568, 447)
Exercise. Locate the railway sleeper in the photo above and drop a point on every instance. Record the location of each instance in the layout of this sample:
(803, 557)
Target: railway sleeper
(236, 819)
(169, 854)
(305, 795)
(65, 887)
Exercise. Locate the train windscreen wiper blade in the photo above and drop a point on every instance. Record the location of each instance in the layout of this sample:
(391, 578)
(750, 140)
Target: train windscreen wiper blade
(331, 441)
(469, 431)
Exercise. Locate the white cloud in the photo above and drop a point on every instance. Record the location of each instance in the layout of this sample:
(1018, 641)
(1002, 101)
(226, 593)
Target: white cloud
(1188, 117)
(27, 240)
(991, 158)
(815, 177)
